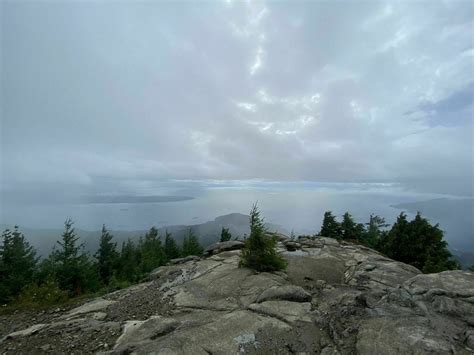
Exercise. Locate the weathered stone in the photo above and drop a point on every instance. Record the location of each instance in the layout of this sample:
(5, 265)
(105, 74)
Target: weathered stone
(220, 247)
(184, 260)
(140, 332)
(400, 336)
(284, 310)
(99, 315)
(93, 306)
(291, 245)
(288, 293)
(333, 298)
(26, 332)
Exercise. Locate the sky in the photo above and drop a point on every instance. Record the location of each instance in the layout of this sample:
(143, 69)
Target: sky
(124, 97)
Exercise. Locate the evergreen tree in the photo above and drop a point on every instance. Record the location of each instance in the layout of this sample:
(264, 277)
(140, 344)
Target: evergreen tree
(372, 235)
(393, 243)
(72, 267)
(151, 251)
(225, 235)
(17, 264)
(171, 248)
(349, 229)
(107, 256)
(128, 266)
(471, 268)
(330, 228)
(418, 243)
(259, 252)
(191, 245)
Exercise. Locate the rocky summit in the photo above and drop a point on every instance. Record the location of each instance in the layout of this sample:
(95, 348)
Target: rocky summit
(333, 298)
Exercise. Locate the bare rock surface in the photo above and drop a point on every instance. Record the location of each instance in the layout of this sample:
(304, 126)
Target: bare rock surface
(219, 247)
(334, 298)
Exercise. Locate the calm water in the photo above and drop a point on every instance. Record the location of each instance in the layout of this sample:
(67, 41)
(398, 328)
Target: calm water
(300, 209)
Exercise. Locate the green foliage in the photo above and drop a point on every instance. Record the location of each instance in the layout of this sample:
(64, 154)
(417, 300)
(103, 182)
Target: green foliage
(259, 252)
(17, 264)
(330, 228)
(107, 256)
(418, 243)
(471, 268)
(71, 267)
(152, 253)
(414, 242)
(40, 296)
(191, 245)
(171, 248)
(374, 231)
(225, 235)
(349, 229)
(128, 265)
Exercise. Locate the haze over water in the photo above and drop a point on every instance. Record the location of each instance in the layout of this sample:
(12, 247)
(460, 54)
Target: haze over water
(298, 207)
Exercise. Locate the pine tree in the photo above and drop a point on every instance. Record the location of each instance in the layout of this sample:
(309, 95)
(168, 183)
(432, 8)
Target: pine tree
(107, 256)
(225, 235)
(73, 269)
(18, 264)
(259, 252)
(330, 228)
(171, 248)
(191, 245)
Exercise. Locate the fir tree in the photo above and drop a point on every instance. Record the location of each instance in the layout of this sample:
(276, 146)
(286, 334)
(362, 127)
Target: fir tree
(72, 267)
(330, 228)
(373, 233)
(128, 269)
(225, 235)
(191, 245)
(171, 248)
(418, 243)
(151, 251)
(349, 229)
(107, 256)
(17, 264)
(259, 252)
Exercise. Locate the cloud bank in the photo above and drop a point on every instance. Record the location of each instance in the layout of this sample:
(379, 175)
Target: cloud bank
(117, 96)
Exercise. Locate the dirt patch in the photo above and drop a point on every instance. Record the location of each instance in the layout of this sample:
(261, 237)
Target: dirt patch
(73, 337)
(140, 305)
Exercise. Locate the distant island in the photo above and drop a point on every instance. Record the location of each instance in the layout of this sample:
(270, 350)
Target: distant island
(135, 199)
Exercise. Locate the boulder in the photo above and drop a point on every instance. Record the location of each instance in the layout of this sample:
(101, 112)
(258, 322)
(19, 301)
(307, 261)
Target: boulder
(89, 307)
(220, 247)
(179, 261)
(291, 245)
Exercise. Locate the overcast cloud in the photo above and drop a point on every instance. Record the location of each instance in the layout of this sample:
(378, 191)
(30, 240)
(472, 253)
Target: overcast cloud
(120, 95)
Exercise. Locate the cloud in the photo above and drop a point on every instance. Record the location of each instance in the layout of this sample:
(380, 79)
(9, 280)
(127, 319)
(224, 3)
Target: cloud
(314, 91)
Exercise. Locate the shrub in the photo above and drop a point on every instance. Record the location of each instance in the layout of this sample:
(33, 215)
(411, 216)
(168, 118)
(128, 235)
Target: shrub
(40, 296)
(259, 252)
